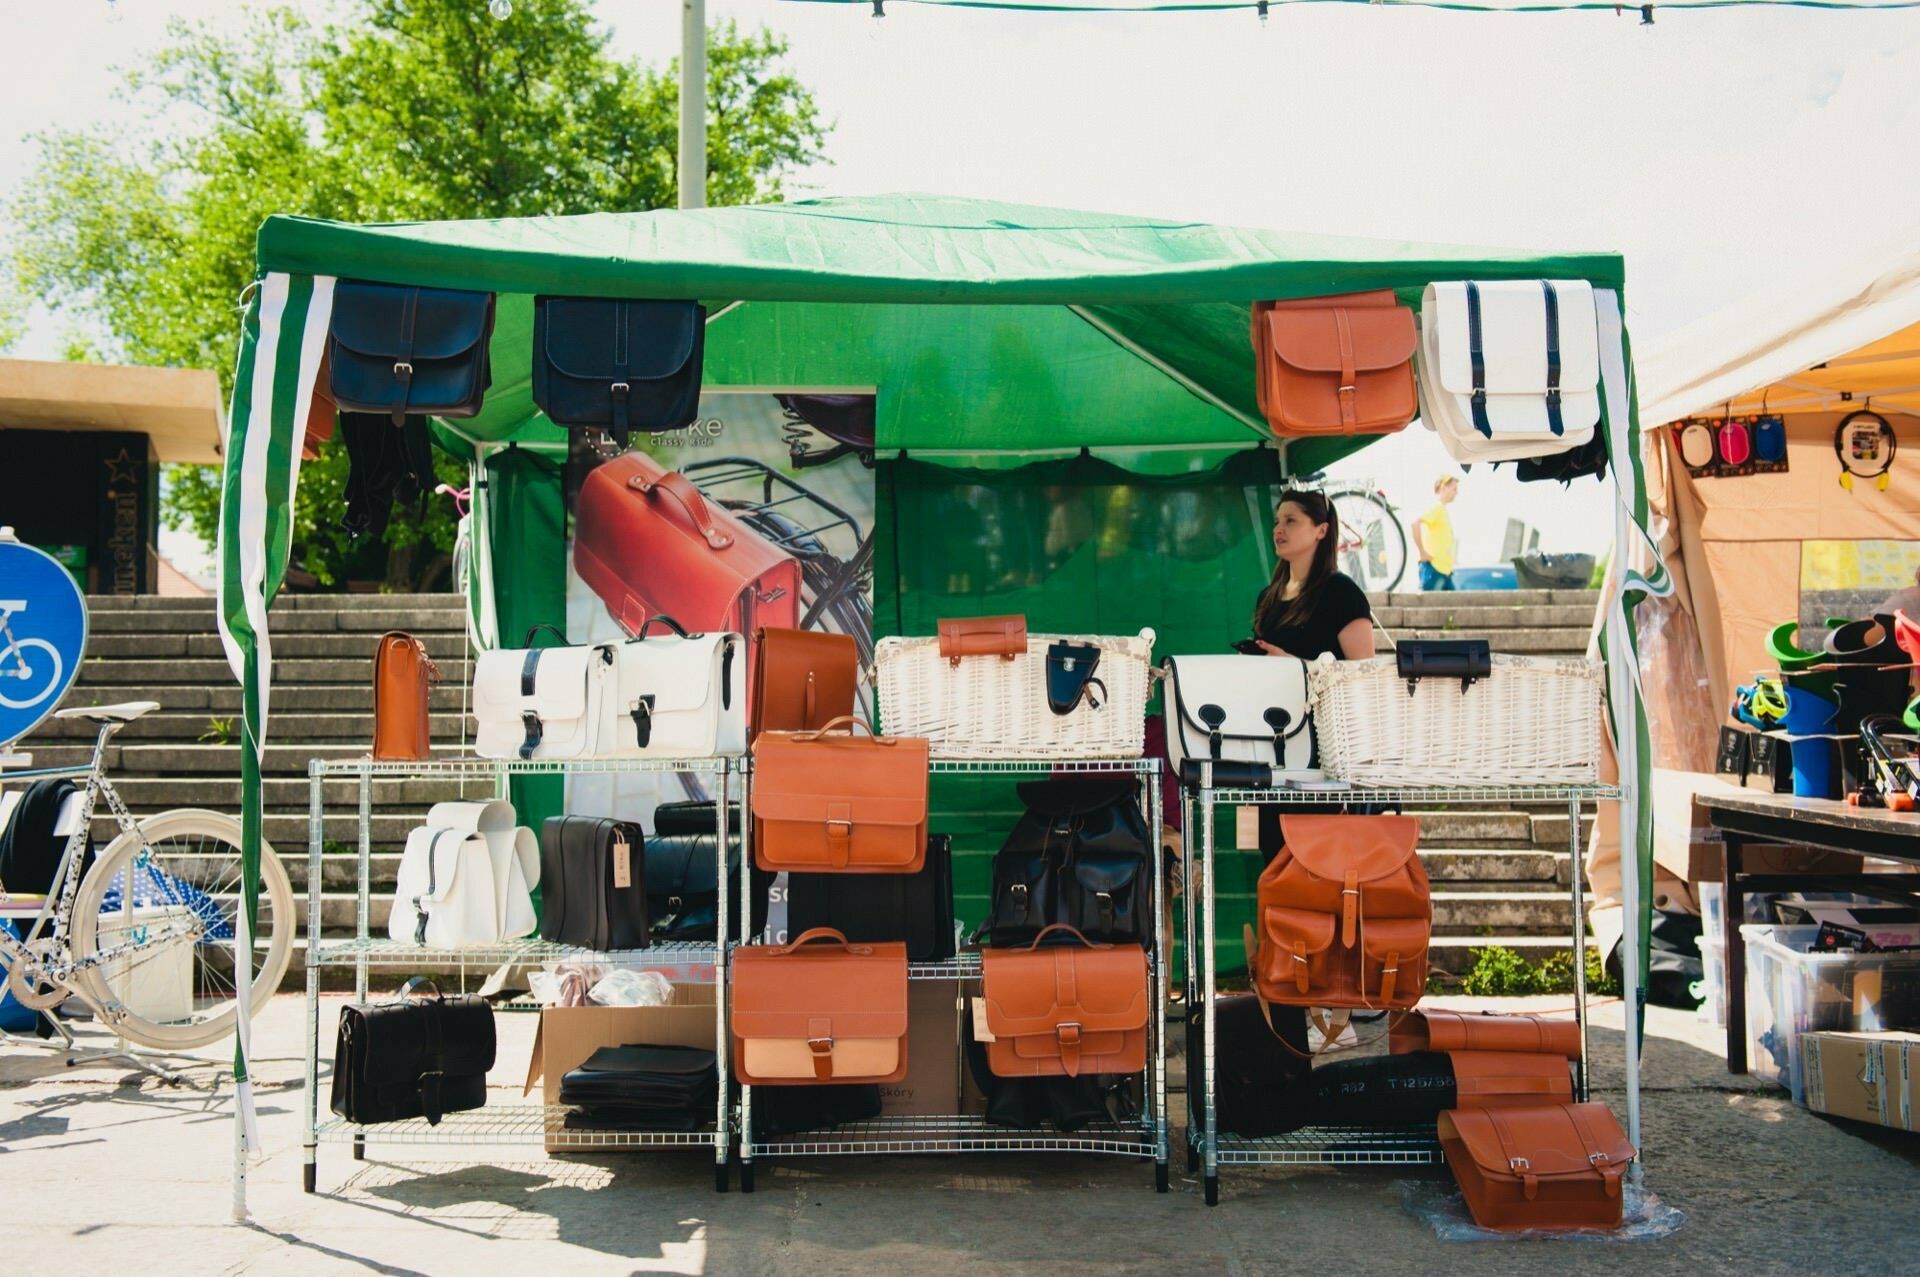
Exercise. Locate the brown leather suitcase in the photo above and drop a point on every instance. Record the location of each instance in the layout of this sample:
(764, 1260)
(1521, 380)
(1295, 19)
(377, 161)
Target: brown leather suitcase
(1335, 365)
(802, 679)
(1552, 1166)
(819, 1010)
(1487, 1031)
(403, 679)
(1509, 1079)
(830, 800)
(649, 544)
(1345, 914)
(1001, 636)
(1067, 1009)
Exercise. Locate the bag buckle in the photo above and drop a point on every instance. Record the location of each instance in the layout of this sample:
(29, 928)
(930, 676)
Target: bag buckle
(840, 828)
(1067, 1034)
(1597, 1160)
(820, 1046)
(1519, 1165)
(620, 389)
(530, 722)
(403, 370)
(1347, 390)
(642, 714)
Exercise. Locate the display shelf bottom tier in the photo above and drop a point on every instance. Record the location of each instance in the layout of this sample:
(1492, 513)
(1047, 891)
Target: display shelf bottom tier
(1331, 1146)
(536, 1124)
(958, 1133)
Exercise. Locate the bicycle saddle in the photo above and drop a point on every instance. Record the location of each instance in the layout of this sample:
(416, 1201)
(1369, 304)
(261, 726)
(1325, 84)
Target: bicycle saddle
(125, 712)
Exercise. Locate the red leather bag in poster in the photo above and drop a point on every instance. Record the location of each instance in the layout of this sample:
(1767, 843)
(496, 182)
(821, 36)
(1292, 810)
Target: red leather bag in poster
(649, 544)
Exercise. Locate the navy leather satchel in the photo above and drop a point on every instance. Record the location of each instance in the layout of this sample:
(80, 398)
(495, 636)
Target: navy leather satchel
(618, 365)
(402, 351)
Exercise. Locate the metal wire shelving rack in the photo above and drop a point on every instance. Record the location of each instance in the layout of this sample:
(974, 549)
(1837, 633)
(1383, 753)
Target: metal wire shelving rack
(1209, 1148)
(537, 1124)
(1145, 1138)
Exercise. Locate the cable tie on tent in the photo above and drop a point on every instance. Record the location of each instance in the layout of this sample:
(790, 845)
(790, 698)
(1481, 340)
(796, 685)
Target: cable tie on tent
(879, 8)
(1646, 14)
(1261, 8)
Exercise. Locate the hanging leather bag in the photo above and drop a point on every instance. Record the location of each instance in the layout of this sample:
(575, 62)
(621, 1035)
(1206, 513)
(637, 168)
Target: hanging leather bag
(1345, 914)
(593, 875)
(802, 679)
(544, 702)
(916, 908)
(1335, 365)
(1487, 1031)
(406, 351)
(1240, 709)
(1080, 854)
(412, 1058)
(1065, 1009)
(1544, 1166)
(403, 680)
(819, 1010)
(678, 695)
(830, 800)
(1509, 368)
(648, 543)
(619, 365)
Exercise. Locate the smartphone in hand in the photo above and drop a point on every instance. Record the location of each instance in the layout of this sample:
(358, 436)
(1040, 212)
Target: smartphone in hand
(1249, 647)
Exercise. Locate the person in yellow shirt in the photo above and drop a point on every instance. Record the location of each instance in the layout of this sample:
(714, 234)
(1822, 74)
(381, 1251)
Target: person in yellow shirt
(1433, 536)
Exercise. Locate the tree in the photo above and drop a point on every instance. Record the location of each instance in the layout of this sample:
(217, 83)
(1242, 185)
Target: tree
(398, 110)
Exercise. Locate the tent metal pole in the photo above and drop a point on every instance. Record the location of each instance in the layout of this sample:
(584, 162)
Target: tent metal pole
(693, 103)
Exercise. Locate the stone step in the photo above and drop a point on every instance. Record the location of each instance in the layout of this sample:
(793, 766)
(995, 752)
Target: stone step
(143, 761)
(1466, 868)
(287, 797)
(1495, 619)
(1540, 912)
(223, 695)
(284, 603)
(443, 646)
(1551, 831)
(1558, 641)
(210, 671)
(1484, 598)
(414, 620)
(188, 728)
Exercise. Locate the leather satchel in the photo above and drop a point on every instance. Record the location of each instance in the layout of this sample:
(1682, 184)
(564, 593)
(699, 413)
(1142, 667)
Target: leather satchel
(1488, 1031)
(1547, 1166)
(835, 801)
(552, 702)
(1065, 1009)
(1509, 368)
(593, 883)
(1001, 636)
(1345, 914)
(403, 680)
(819, 1010)
(466, 878)
(678, 695)
(619, 365)
(1335, 365)
(1240, 709)
(412, 1058)
(916, 908)
(1080, 854)
(648, 543)
(399, 350)
(802, 679)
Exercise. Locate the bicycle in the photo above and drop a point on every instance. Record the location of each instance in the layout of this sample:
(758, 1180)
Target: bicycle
(167, 881)
(17, 648)
(1373, 542)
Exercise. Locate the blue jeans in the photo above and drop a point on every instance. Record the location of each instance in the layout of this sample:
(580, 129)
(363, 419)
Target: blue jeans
(1431, 580)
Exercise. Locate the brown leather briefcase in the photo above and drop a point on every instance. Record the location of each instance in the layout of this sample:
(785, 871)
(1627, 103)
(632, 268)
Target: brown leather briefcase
(802, 679)
(1335, 365)
(1487, 1031)
(403, 679)
(819, 1010)
(1065, 1010)
(1345, 914)
(1001, 636)
(831, 800)
(1550, 1166)
(1509, 1079)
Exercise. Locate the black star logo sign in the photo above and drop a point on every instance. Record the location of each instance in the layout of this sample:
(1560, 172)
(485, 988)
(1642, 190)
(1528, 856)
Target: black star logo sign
(122, 469)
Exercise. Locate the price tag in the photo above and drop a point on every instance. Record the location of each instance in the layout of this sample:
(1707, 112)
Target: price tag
(1246, 828)
(622, 863)
(981, 1033)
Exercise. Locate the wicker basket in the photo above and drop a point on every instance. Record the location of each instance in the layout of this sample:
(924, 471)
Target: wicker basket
(987, 707)
(1535, 721)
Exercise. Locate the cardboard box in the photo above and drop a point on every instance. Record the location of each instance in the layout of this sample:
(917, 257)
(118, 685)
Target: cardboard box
(1869, 1077)
(568, 1035)
(931, 1087)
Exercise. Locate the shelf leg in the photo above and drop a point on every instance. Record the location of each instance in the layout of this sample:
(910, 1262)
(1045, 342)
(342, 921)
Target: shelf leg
(1210, 1134)
(1579, 943)
(365, 889)
(316, 880)
(722, 1137)
(1161, 903)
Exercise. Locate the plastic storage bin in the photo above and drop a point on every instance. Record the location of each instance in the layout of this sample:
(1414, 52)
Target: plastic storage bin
(1713, 979)
(1790, 992)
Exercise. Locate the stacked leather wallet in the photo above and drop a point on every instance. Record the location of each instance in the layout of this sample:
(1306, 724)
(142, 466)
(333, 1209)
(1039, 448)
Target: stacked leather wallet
(642, 1088)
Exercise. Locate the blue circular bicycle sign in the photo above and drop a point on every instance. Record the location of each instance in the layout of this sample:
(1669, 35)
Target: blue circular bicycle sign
(43, 634)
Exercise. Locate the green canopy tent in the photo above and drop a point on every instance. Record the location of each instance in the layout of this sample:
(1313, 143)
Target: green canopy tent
(994, 334)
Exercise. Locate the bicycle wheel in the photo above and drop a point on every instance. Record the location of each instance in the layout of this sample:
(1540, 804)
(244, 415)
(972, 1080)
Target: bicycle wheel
(179, 992)
(1373, 545)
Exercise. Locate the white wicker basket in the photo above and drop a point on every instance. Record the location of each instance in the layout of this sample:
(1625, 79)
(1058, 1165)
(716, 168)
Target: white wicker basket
(1535, 721)
(987, 707)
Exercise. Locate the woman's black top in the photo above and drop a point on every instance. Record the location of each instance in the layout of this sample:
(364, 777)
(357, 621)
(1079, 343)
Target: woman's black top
(1341, 603)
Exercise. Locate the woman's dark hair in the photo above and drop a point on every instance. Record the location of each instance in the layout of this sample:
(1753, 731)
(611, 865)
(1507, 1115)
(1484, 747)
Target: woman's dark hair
(1272, 610)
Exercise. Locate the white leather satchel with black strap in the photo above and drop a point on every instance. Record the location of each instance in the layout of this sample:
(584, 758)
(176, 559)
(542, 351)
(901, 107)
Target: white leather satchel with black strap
(1239, 709)
(544, 702)
(444, 895)
(678, 695)
(1509, 368)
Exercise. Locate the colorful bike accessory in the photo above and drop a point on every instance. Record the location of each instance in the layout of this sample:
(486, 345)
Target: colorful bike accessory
(1770, 438)
(1761, 703)
(1865, 445)
(1813, 770)
(1696, 445)
(43, 635)
(1736, 442)
(1782, 648)
(1892, 778)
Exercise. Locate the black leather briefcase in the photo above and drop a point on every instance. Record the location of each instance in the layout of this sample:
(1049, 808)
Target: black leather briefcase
(593, 883)
(875, 908)
(619, 365)
(410, 1057)
(403, 351)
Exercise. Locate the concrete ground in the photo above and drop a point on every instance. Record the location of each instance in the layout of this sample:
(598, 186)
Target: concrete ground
(109, 1171)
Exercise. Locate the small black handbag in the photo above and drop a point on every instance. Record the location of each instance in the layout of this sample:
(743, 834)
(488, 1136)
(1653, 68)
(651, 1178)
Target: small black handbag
(401, 351)
(1080, 854)
(875, 908)
(408, 1058)
(593, 883)
(619, 365)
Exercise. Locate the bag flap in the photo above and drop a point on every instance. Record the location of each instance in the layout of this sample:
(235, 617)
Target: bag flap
(1513, 325)
(1245, 687)
(1546, 1136)
(645, 1059)
(681, 674)
(559, 683)
(839, 768)
(1369, 846)
(1352, 301)
(1478, 1073)
(860, 994)
(397, 1035)
(1380, 938)
(1457, 1031)
(818, 809)
(681, 865)
(1375, 338)
(596, 339)
(1296, 931)
(983, 636)
(368, 319)
(1108, 872)
(493, 817)
(1034, 991)
(447, 849)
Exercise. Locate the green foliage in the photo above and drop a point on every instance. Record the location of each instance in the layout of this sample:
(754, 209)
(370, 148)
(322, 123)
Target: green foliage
(395, 110)
(13, 310)
(1499, 972)
(220, 731)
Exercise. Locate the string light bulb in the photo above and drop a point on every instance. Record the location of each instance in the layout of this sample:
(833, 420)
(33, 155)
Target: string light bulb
(500, 9)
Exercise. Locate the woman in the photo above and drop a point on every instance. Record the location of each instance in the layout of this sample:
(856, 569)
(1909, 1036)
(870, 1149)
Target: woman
(1310, 608)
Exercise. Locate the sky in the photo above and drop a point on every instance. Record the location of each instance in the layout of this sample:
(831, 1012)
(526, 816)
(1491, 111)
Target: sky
(1717, 149)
